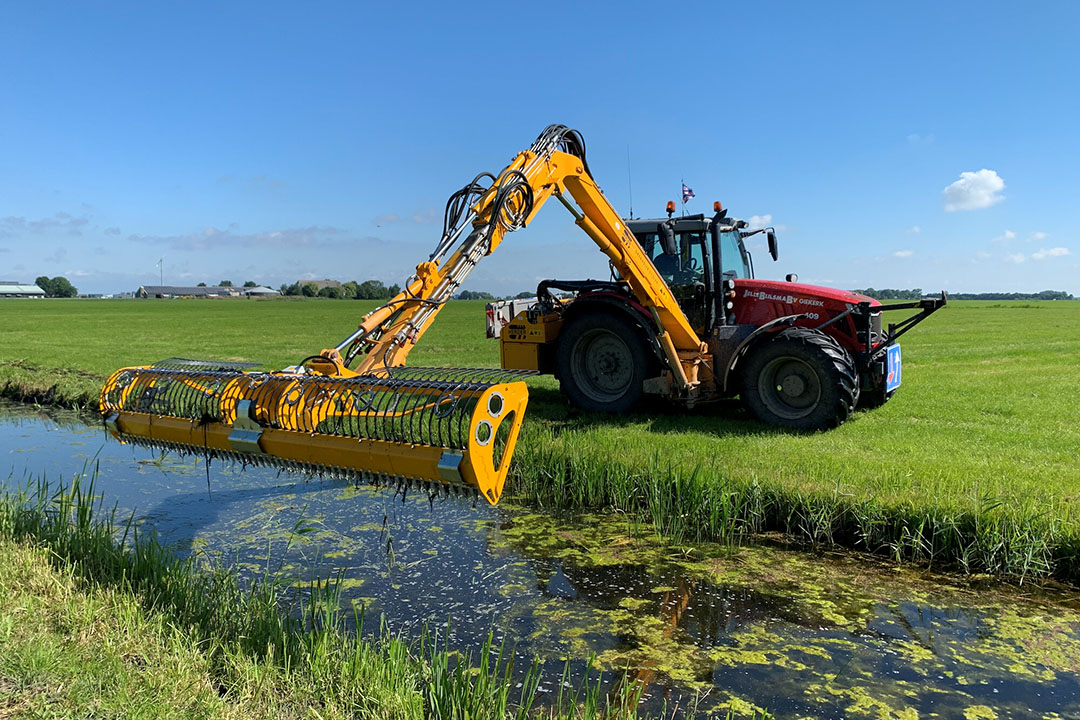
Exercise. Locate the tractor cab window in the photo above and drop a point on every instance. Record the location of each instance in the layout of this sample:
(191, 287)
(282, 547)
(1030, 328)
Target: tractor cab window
(686, 268)
(691, 259)
(733, 261)
(684, 273)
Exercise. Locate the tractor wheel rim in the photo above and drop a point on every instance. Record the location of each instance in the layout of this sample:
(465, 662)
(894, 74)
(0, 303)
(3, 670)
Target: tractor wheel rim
(603, 365)
(790, 387)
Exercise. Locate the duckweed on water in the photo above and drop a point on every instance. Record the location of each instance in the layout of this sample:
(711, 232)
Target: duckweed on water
(822, 635)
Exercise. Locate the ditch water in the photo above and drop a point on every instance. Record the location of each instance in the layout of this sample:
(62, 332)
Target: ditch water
(804, 635)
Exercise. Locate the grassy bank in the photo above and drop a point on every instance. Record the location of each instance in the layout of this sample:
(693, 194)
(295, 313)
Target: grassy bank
(971, 464)
(95, 621)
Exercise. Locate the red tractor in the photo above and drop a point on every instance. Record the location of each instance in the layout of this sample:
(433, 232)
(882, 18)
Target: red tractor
(799, 356)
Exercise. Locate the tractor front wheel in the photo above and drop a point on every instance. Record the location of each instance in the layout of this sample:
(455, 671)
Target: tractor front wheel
(800, 379)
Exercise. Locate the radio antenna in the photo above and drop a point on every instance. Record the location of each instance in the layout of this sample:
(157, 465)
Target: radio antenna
(629, 180)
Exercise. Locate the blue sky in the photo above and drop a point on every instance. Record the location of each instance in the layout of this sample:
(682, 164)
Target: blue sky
(276, 142)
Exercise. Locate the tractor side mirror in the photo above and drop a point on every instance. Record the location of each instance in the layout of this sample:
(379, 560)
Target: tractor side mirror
(667, 238)
(792, 277)
(772, 244)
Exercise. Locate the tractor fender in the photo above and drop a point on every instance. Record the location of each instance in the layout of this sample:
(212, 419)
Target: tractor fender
(752, 339)
(617, 304)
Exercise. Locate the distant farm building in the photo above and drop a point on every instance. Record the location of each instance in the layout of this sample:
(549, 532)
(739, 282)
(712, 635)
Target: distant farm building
(11, 289)
(260, 291)
(319, 284)
(175, 291)
(179, 291)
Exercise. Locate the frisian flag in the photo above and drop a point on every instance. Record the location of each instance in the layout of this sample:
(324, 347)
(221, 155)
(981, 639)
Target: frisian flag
(687, 193)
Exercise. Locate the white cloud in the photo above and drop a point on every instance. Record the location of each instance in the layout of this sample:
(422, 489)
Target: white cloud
(1037, 236)
(759, 221)
(917, 139)
(12, 226)
(1052, 252)
(974, 191)
(982, 255)
(426, 217)
(1004, 238)
(915, 229)
(212, 237)
(903, 253)
(421, 217)
(1016, 257)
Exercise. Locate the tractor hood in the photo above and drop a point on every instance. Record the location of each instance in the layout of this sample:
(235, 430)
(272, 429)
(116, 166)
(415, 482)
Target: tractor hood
(758, 302)
(790, 293)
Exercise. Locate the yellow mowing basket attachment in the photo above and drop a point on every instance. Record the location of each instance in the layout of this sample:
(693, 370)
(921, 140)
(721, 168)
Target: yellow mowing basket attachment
(451, 427)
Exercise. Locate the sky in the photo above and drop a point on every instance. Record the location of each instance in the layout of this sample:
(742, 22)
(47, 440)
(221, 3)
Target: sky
(917, 144)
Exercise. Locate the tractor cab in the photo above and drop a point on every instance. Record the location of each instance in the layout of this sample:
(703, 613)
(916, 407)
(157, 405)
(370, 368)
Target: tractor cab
(694, 255)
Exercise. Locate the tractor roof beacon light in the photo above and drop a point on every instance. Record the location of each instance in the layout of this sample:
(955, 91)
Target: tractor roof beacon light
(670, 208)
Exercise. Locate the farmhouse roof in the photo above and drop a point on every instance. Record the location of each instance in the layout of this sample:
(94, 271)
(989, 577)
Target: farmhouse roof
(15, 289)
(186, 291)
(320, 284)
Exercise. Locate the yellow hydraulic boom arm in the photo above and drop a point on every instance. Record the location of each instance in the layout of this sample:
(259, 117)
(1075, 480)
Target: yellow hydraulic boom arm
(554, 165)
(380, 421)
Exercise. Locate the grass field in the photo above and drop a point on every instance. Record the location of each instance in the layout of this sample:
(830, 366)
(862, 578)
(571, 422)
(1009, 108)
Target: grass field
(974, 462)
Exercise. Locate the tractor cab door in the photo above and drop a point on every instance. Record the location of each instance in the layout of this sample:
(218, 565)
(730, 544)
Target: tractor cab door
(688, 274)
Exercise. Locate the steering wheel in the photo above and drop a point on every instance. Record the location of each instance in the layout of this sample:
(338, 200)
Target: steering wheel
(690, 271)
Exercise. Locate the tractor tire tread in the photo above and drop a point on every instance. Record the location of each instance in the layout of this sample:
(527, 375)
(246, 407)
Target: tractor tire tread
(845, 380)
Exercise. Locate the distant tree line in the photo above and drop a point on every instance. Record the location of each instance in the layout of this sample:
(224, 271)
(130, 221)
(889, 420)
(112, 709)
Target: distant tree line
(473, 295)
(917, 293)
(479, 295)
(57, 287)
(376, 290)
(351, 290)
(1044, 295)
(892, 294)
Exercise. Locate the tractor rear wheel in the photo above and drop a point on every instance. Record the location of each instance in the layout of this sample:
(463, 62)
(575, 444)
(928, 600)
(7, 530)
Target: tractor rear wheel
(801, 379)
(602, 362)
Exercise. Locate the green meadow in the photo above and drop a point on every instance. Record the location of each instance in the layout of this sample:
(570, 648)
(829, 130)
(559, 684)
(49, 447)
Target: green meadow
(973, 463)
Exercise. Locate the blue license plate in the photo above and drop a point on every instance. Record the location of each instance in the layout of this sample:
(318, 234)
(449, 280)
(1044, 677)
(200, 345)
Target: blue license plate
(893, 368)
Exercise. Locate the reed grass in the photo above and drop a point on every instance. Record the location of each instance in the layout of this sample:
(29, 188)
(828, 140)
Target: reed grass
(271, 648)
(702, 503)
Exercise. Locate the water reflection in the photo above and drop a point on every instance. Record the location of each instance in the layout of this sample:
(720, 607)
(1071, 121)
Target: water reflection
(765, 625)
